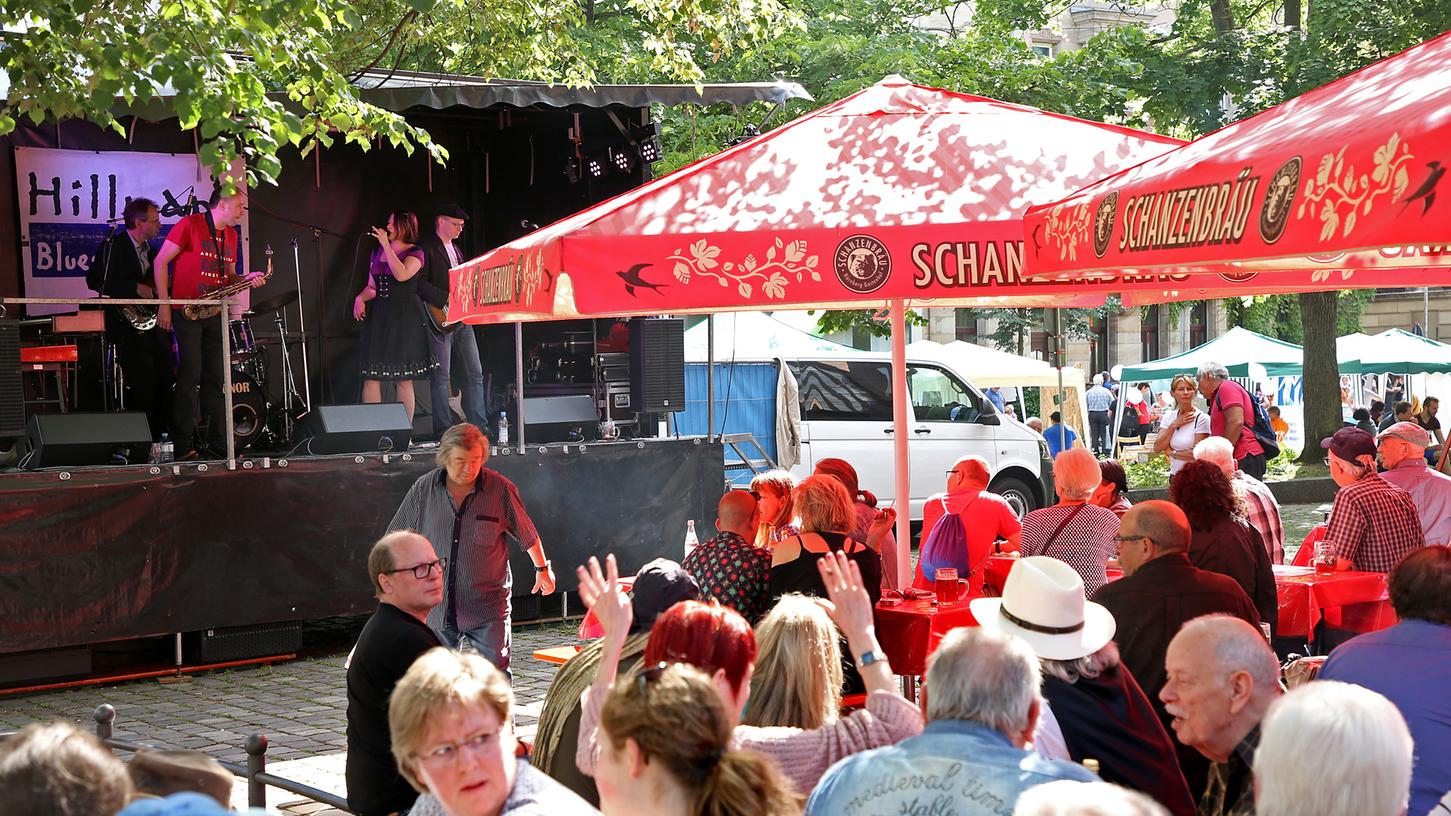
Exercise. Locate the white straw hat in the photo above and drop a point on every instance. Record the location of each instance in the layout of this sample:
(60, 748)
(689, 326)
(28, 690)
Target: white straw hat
(1043, 603)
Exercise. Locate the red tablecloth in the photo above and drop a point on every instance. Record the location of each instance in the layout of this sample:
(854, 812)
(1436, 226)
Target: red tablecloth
(998, 567)
(911, 630)
(1353, 601)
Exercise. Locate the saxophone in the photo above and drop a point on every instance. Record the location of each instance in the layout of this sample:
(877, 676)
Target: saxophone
(204, 312)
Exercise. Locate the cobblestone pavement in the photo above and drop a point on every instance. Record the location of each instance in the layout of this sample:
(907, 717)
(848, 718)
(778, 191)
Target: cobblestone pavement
(301, 705)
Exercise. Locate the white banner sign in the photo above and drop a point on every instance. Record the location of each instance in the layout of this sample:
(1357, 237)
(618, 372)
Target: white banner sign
(70, 200)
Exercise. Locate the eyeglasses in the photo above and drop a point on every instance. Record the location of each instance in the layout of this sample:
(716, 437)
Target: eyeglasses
(421, 571)
(951, 473)
(650, 675)
(452, 751)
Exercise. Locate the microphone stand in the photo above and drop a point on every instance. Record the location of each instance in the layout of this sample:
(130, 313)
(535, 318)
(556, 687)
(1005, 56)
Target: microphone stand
(302, 333)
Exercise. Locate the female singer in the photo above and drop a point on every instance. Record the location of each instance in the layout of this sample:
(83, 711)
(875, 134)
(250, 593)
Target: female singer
(395, 343)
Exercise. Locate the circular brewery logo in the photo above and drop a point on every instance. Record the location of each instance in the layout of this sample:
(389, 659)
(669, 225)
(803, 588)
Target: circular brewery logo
(1103, 223)
(862, 264)
(1279, 197)
(1238, 277)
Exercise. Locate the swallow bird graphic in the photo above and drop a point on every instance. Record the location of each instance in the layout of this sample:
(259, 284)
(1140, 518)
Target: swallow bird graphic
(632, 280)
(1427, 191)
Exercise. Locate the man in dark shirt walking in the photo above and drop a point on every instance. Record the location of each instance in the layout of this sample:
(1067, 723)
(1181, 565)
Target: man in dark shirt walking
(1159, 593)
(408, 578)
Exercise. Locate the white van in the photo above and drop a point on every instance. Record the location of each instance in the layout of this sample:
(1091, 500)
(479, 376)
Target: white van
(846, 413)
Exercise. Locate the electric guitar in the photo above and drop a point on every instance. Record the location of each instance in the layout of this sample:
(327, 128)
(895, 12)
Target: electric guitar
(436, 319)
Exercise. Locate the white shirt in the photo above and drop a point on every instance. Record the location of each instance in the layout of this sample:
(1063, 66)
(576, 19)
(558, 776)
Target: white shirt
(1184, 437)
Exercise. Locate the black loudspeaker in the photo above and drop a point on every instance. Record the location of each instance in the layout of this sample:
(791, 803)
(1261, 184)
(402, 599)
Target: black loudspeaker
(12, 388)
(560, 419)
(366, 428)
(657, 364)
(87, 439)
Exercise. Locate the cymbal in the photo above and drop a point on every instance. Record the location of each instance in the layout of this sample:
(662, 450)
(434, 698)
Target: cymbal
(274, 303)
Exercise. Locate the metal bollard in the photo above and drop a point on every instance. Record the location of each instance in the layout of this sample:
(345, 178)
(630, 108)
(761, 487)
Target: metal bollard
(105, 717)
(256, 764)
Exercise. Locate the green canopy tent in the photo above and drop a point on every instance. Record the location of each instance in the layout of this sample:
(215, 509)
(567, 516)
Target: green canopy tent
(1238, 350)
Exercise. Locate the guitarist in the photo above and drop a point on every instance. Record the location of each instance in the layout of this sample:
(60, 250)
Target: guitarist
(122, 269)
(200, 254)
(442, 253)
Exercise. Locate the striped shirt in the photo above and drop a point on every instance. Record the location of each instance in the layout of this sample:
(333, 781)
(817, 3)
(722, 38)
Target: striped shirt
(477, 582)
(1099, 398)
(1262, 512)
(1373, 524)
(1085, 542)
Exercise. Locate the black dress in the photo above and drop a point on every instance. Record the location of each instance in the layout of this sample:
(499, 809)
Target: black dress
(800, 575)
(396, 344)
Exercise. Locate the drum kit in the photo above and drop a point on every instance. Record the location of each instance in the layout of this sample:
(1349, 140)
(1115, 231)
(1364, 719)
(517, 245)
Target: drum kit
(256, 418)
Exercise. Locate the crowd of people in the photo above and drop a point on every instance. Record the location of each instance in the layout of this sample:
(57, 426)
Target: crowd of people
(1125, 666)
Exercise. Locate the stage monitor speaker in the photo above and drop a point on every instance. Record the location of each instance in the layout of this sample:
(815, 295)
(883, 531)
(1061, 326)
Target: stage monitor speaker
(364, 428)
(657, 364)
(58, 440)
(560, 419)
(12, 386)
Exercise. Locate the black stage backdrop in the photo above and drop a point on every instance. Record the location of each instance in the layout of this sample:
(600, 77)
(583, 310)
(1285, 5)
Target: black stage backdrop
(117, 553)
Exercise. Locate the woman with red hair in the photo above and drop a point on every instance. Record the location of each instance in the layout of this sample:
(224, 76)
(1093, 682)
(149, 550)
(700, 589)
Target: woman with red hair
(1221, 540)
(864, 505)
(719, 642)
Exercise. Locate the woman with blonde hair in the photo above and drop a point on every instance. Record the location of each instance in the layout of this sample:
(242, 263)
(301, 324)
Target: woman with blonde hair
(828, 519)
(1182, 426)
(797, 682)
(666, 748)
(774, 507)
(452, 728)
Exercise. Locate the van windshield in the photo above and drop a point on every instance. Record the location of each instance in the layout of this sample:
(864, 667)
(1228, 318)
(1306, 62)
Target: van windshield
(938, 396)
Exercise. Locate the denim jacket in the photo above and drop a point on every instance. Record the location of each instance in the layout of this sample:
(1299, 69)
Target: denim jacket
(953, 767)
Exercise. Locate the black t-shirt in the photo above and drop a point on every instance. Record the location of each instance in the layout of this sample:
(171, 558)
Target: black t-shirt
(390, 642)
(1429, 423)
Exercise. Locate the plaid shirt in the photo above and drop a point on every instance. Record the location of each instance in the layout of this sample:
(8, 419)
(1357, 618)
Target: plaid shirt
(734, 572)
(1262, 512)
(1230, 790)
(1373, 524)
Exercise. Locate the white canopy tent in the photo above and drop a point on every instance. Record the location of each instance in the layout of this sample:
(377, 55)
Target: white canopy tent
(990, 368)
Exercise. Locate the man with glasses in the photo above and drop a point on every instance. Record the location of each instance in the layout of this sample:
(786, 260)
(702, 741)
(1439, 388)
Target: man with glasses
(1159, 593)
(408, 579)
(442, 254)
(470, 511)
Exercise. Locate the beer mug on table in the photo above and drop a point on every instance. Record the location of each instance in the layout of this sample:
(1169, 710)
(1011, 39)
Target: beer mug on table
(950, 588)
(1325, 557)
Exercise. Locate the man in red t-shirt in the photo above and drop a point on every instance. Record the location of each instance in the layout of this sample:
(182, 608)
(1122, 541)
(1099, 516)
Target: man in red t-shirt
(986, 518)
(1232, 416)
(200, 254)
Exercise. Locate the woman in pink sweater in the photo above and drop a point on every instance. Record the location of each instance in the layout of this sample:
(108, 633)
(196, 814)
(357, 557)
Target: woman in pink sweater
(804, 755)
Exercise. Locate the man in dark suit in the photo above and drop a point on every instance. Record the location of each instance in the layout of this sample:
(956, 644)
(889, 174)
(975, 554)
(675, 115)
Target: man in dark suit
(1159, 593)
(122, 269)
(461, 344)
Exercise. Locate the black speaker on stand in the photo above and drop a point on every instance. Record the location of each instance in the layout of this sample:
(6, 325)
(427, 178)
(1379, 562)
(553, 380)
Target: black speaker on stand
(362, 428)
(657, 368)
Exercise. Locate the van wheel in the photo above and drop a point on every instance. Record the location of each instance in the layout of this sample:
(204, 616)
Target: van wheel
(1018, 494)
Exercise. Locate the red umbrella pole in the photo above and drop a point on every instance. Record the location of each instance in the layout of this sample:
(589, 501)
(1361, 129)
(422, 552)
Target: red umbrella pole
(903, 503)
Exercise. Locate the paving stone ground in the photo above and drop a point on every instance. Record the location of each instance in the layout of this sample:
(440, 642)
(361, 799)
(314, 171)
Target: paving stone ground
(301, 705)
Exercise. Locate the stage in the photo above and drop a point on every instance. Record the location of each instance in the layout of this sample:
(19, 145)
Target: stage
(101, 554)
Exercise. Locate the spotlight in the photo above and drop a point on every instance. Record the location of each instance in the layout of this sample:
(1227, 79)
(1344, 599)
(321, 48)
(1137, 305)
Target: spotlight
(648, 138)
(594, 165)
(623, 159)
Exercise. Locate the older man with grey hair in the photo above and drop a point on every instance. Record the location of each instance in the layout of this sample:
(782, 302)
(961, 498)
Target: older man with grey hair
(1262, 510)
(1232, 416)
(1402, 448)
(982, 706)
(1222, 678)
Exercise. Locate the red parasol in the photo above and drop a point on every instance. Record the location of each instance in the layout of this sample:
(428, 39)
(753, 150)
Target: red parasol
(897, 192)
(1339, 184)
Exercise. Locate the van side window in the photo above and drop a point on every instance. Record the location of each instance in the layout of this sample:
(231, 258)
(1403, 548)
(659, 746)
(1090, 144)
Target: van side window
(840, 390)
(938, 396)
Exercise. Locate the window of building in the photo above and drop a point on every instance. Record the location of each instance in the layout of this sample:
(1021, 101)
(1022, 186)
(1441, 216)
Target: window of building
(1198, 324)
(1149, 335)
(966, 326)
(1098, 343)
(1042, 49)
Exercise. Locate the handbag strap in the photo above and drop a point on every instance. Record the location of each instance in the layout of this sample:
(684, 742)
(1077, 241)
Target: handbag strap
(1064, 523)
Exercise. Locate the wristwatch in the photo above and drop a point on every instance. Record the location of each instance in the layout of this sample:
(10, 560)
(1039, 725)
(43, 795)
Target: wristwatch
(867, 659)
(544, 567)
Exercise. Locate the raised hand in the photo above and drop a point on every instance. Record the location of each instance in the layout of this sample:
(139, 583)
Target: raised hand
(849, 606)
(601, 592)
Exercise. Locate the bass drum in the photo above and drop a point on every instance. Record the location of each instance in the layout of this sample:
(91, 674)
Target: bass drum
(249, 407)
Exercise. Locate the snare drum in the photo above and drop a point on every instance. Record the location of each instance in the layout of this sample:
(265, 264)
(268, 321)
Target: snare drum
(239, 332)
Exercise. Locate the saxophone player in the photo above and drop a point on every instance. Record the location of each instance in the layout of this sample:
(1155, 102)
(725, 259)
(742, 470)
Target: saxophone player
(199, 255)
(121, 268)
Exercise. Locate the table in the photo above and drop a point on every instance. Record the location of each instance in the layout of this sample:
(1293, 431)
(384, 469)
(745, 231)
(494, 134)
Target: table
(558, 655)
(911, 630)
(1349, 600)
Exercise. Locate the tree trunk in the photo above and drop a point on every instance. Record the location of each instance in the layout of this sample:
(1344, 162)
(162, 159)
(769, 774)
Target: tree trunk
(1292, 13)
(1223, 19)
(1322, 372)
